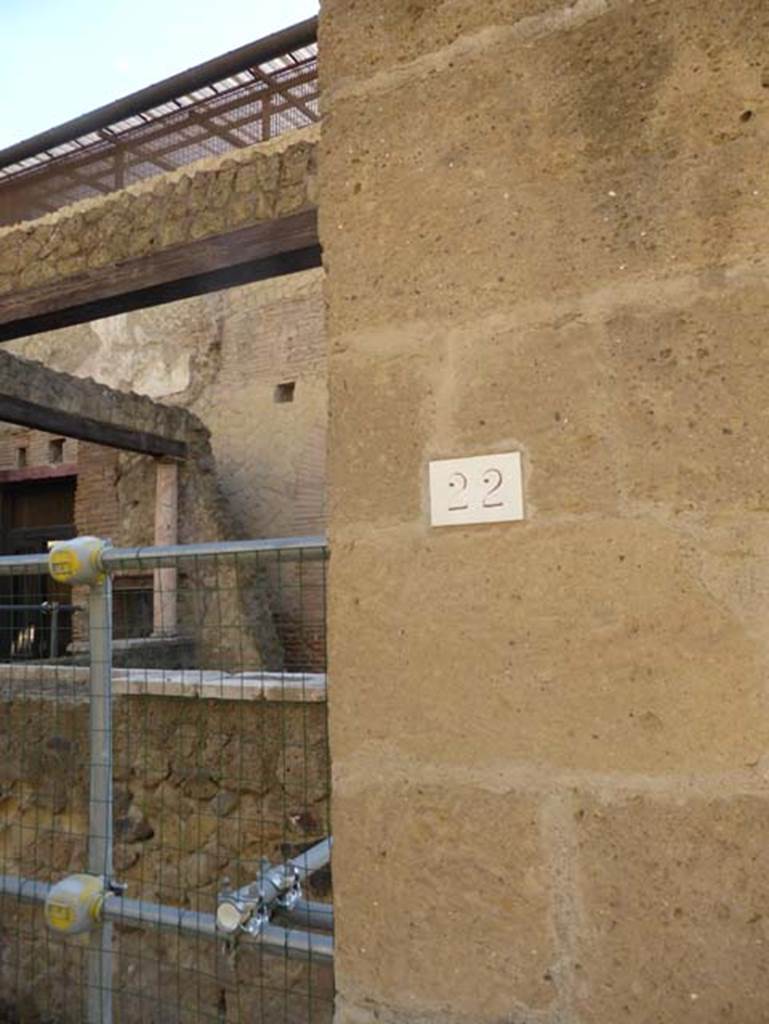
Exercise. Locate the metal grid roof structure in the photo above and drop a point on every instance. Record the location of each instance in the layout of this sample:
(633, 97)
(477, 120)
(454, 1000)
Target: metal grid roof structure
(247, 96)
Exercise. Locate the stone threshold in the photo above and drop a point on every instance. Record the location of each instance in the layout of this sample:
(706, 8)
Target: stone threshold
(33, 679)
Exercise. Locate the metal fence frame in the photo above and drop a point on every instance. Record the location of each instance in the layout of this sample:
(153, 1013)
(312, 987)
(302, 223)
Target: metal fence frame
(270, 911)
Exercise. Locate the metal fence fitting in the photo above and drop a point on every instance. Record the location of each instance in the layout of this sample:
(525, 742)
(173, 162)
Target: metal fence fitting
(278, 888)
(73, 905)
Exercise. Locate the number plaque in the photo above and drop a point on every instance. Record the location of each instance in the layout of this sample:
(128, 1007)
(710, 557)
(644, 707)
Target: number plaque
(479, 489)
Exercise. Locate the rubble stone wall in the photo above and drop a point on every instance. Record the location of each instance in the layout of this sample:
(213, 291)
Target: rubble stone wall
(258, 183)
(203, 790)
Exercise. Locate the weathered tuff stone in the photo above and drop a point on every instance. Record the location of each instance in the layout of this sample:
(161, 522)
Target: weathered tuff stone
(561, 259)
(199, 784)
(199, 869)
(124, 858)
(494, 928)
(133, 827)
(224, 803)
(673, 920)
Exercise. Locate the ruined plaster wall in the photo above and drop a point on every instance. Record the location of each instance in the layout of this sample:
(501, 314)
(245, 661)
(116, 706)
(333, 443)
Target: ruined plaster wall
(544, 226)
(223, 357)
(258, 183)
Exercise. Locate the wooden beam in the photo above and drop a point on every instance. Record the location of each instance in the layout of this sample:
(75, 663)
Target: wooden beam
(55, 421)
(269, 249)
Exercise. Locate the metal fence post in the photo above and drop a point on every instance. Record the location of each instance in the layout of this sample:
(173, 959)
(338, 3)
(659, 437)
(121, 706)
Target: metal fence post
(54, 638)
(100, 798)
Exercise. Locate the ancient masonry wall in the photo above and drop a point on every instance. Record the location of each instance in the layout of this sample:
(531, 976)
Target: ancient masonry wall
(21, 448)
(273, 179)
(115, 500)
(545, 230)
(250, 362)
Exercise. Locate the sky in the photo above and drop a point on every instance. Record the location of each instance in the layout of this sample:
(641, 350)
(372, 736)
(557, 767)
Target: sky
(61, 58)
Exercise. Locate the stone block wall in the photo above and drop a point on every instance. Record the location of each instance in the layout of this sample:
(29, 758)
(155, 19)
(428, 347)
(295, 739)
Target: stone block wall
(544, 231)
(203, 790)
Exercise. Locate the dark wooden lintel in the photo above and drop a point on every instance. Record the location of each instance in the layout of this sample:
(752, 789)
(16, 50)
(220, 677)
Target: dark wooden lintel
(83, 428)
(268, 249)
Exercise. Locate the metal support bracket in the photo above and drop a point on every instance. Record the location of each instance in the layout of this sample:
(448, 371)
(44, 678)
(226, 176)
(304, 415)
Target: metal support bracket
(277, 890)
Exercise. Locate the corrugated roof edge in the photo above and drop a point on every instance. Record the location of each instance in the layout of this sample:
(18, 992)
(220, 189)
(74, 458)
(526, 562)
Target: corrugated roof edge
(288, 39)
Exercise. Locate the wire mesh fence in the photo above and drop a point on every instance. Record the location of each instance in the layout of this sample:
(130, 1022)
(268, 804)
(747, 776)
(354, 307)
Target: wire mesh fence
(182, 776)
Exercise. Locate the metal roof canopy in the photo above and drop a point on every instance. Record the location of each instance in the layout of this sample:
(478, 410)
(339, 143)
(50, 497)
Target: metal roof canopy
(250, 94)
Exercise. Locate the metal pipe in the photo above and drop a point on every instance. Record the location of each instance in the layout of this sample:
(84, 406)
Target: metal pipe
(100, 792)
(303, 549)
(313, 859)
(294, 548)
(23, 565)
(259, 52)
(54, 609)
(159, 915)
(297, 944)
(46, 606)
(291, 942)
(271, 883)
(276, 889)
(308, 914)
(25, 889)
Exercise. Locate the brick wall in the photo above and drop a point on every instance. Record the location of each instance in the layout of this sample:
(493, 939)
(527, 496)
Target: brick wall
(36, 448)
(115, 494)
(115, 500)
(96, 506)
